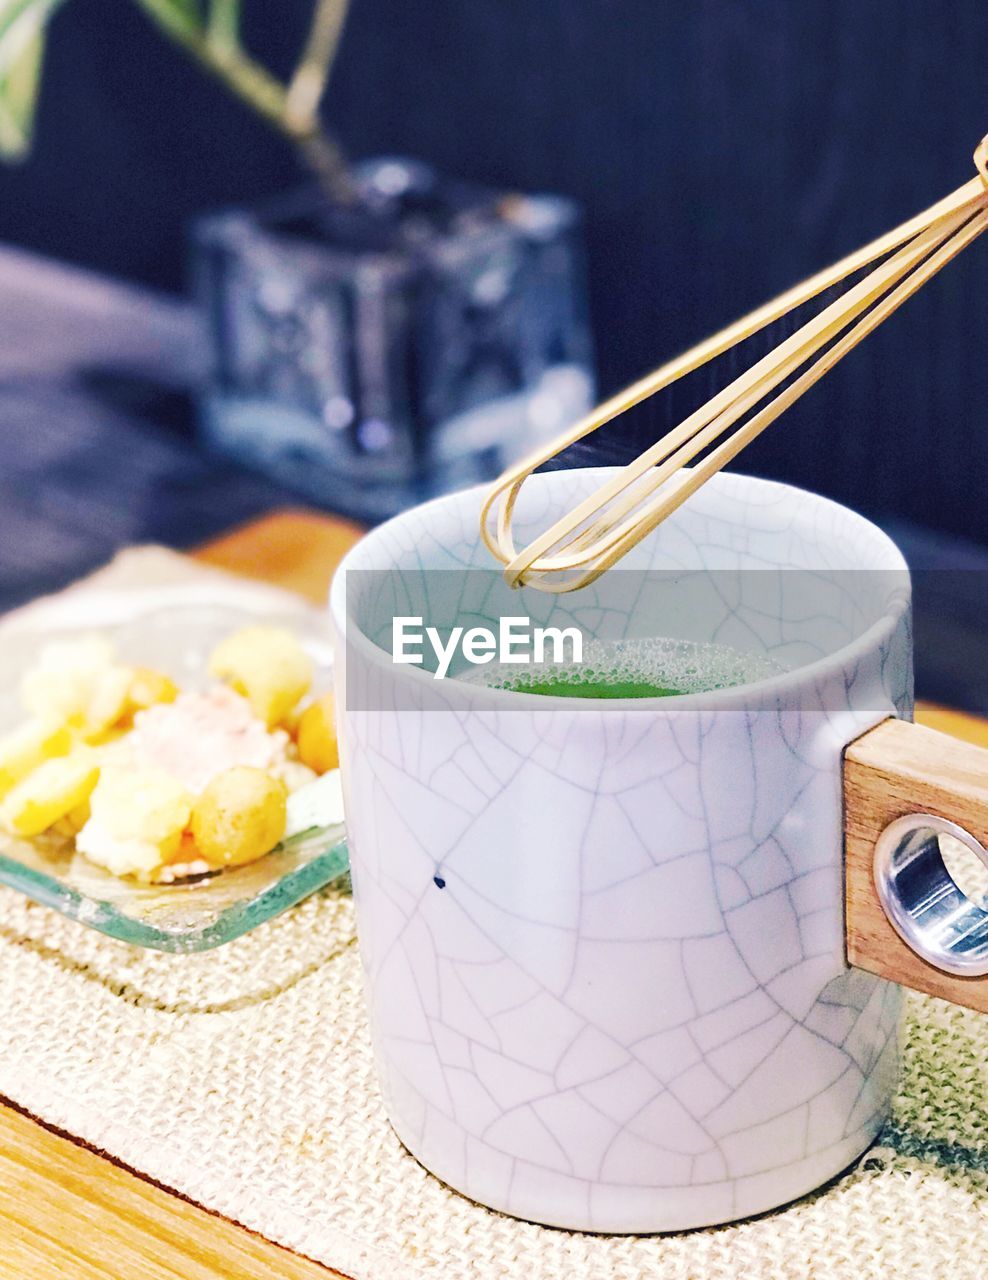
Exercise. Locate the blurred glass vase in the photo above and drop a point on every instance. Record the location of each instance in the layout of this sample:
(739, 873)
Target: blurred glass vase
(373, 354)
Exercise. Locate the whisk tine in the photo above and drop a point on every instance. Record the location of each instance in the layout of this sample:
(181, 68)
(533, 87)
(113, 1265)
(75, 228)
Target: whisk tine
(603, 527)
(780, 364)
(695, 477)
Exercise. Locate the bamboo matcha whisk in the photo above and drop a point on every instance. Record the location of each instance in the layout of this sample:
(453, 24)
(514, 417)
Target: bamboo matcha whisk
(586, 541)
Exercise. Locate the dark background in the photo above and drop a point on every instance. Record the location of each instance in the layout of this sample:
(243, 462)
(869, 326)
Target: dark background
(722, 150)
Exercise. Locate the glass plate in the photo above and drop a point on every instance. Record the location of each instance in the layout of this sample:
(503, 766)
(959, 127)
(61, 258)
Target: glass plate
(172, 628)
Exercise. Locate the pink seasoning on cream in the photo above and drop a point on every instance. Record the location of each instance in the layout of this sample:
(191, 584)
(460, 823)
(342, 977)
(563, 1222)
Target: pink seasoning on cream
(201, 734)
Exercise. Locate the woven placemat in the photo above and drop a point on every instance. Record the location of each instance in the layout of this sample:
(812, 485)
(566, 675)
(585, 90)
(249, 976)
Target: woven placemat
(243, 1079)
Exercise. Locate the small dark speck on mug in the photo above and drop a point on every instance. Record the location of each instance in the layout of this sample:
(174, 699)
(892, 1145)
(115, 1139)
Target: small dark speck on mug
(439, 882)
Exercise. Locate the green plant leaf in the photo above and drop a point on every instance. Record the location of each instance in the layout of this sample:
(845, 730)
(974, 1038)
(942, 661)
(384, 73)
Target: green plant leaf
(177, 17)
(19, 19)
(18, 97)
(22, 26)
(224, 22)
(186, 9)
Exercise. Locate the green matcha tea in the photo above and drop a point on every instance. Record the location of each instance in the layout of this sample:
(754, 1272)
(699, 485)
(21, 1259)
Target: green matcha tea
(650, 668)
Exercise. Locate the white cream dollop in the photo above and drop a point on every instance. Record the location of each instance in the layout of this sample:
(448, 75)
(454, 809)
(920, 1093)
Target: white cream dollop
(201, 734)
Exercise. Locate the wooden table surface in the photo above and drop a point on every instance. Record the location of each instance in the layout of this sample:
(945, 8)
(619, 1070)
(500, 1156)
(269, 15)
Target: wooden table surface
(70, 1212)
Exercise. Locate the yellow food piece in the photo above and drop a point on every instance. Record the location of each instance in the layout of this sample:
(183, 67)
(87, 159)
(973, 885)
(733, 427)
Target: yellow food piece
(122, 693)
(66, 677)
(136, 821)
(317, 745)
(148, 687)
(291, 721)
(50, 792)
(267, 666)
(187, 850)
(107, 736)
(78, 682)
(27, 747)
(74, 821)
(108, 703)
(239, 817)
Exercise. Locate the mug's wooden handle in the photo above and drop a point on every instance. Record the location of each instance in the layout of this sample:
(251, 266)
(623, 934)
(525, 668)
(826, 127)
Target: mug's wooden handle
(894, 770)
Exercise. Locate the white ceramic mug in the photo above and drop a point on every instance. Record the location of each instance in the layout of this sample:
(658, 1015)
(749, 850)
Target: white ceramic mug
(603, 943)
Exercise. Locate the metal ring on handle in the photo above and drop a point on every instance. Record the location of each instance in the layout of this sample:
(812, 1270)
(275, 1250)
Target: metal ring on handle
(924, 905)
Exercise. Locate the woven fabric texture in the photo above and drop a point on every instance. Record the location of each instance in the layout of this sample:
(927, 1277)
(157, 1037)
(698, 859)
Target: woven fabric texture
(243, 1078)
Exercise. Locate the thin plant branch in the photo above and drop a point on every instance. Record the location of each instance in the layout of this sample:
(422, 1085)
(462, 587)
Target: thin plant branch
(308, 85)
(227, 61)
(224, 23)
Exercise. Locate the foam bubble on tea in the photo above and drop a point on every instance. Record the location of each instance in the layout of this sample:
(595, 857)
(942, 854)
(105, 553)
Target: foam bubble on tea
(655, 667)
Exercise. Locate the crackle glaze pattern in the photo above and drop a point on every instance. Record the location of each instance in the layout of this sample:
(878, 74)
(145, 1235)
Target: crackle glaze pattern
(604, 948)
